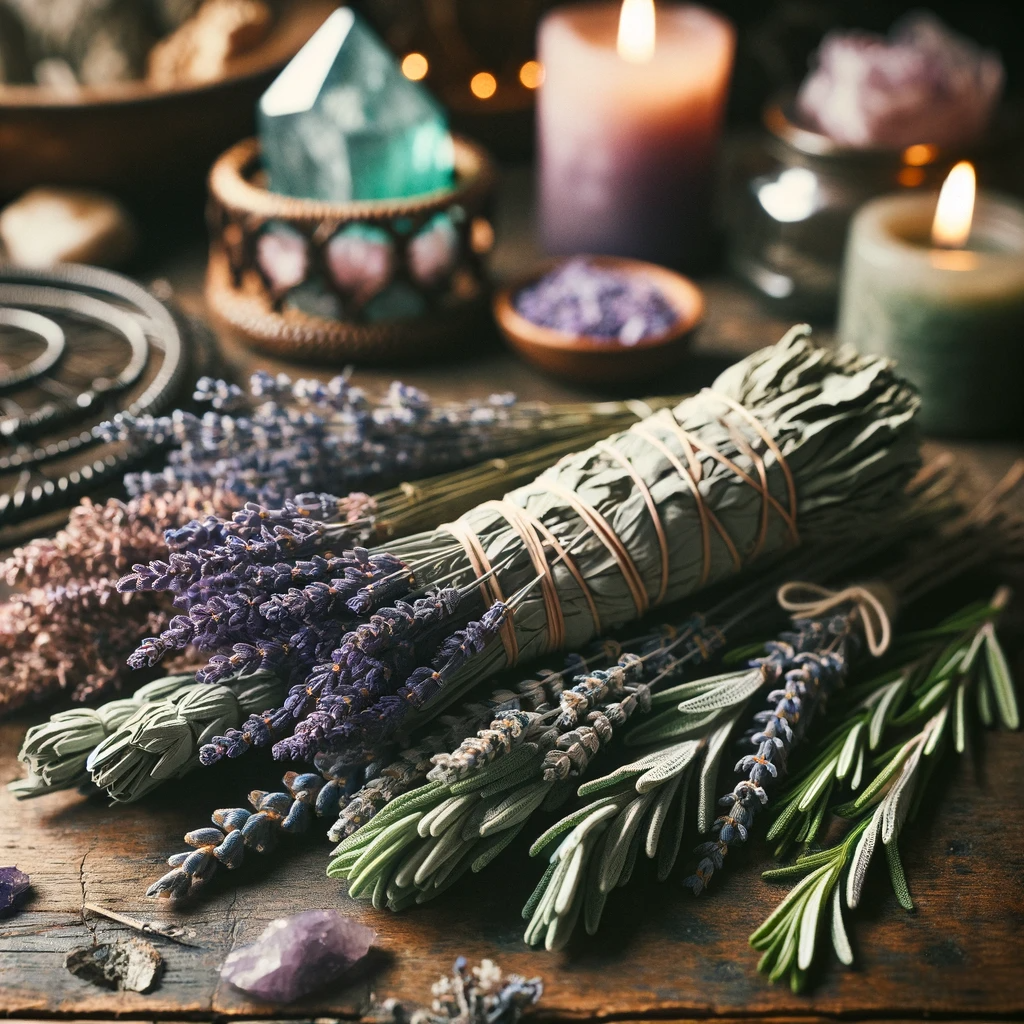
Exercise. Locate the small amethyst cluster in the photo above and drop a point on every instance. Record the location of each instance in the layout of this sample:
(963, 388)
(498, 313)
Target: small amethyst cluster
(806, 666)
(285, 437)
(360, 648)
(924, 84)
(581, 298)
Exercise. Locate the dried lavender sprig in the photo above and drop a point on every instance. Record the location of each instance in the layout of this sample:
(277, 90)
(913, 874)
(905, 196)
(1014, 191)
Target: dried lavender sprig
(55, 752)
(324, 793)
(483, 995)
(809, 664)
(363, 693)
(68, 628)
(236, 829)
(287, 437)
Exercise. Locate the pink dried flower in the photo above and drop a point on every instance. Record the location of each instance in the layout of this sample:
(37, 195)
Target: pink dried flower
(66, 627)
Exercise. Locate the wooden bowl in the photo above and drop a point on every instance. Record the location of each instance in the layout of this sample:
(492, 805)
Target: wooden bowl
(589, 360)
(134, 139)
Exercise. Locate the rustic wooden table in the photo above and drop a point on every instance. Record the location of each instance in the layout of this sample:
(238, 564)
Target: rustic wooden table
(661, 954)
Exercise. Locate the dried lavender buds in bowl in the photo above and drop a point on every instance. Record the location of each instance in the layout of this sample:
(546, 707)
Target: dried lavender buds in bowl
(600, 319)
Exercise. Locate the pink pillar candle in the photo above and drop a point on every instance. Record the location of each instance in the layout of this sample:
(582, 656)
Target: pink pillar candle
(628, 149)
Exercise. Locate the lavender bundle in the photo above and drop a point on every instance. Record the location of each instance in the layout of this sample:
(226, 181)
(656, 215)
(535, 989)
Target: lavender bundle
(287, 437)
(68, 628)
(792, 443)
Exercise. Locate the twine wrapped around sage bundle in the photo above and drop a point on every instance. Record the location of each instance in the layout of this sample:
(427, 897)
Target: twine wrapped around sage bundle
(792, 443)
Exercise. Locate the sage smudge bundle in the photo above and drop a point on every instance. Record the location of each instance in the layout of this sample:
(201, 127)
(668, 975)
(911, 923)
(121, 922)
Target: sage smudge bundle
(792, 443)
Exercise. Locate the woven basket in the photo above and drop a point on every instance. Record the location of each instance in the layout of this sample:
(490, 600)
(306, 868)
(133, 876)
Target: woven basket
(255, 303)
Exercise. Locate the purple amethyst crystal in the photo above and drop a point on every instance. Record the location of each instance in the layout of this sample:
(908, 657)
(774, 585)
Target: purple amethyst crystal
(298, 954)
(582, 298)
(922, 84)
(13, 885)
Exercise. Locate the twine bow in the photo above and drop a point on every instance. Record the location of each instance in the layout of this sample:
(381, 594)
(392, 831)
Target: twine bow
(811, 600)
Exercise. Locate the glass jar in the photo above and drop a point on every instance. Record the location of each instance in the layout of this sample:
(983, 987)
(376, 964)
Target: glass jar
(791, 206)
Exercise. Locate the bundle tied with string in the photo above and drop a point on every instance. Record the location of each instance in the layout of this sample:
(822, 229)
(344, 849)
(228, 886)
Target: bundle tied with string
(793, 443)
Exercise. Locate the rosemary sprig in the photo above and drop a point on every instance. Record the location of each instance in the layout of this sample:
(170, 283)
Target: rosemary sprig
(931, 697)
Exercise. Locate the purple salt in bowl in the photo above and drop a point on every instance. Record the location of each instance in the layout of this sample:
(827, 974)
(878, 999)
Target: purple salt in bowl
(602, 319)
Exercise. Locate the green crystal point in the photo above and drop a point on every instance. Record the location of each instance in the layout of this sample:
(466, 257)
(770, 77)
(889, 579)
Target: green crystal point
(342, 122)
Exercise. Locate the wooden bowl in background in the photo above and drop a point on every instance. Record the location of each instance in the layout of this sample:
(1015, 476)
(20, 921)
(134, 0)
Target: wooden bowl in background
(588, 360)
(136, 140)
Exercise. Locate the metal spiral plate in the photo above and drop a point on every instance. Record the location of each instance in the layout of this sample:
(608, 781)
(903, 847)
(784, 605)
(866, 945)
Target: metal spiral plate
(77, 346)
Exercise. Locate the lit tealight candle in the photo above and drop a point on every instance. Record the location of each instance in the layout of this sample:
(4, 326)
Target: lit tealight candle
(939, 287)
(628, 123)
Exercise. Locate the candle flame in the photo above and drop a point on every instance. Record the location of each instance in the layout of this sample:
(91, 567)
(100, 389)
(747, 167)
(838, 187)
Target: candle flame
(955, 210)
(636, 31)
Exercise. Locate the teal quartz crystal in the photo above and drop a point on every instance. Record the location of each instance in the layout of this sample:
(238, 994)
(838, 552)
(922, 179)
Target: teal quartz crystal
(342, 122)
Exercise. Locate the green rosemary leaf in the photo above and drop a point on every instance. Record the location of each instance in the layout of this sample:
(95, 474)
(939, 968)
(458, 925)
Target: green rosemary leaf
(1002, 682)
(899, 879)
(840, 940)
(593, 907)
(672, 834)
(539, 890)
(811, 917)
(631, 857)
(385, 848)
(984, 698)
(881, 780)
(380, 843)
(742, 653)
(438, 820)
(794, 898)
(725, 694)
(849, 751)
(821, 780)
(960, 717)
(663, 805)
(815, 823)
(782, 822)
(808, 862)
(861, 859)
(669, 725)
(571, 821)
(686, 691)
(490, 848)
(858, 772)
(618, 838)
(883, 710)
(675, 760)
(709, 772)
(515, 809)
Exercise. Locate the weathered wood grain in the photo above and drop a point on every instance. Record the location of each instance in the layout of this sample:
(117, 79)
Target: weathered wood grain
(661, 952)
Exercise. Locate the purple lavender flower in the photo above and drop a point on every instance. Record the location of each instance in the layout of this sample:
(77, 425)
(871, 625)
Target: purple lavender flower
(810, 663)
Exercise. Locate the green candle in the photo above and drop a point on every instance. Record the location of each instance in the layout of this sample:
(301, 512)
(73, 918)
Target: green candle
(951, 315)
